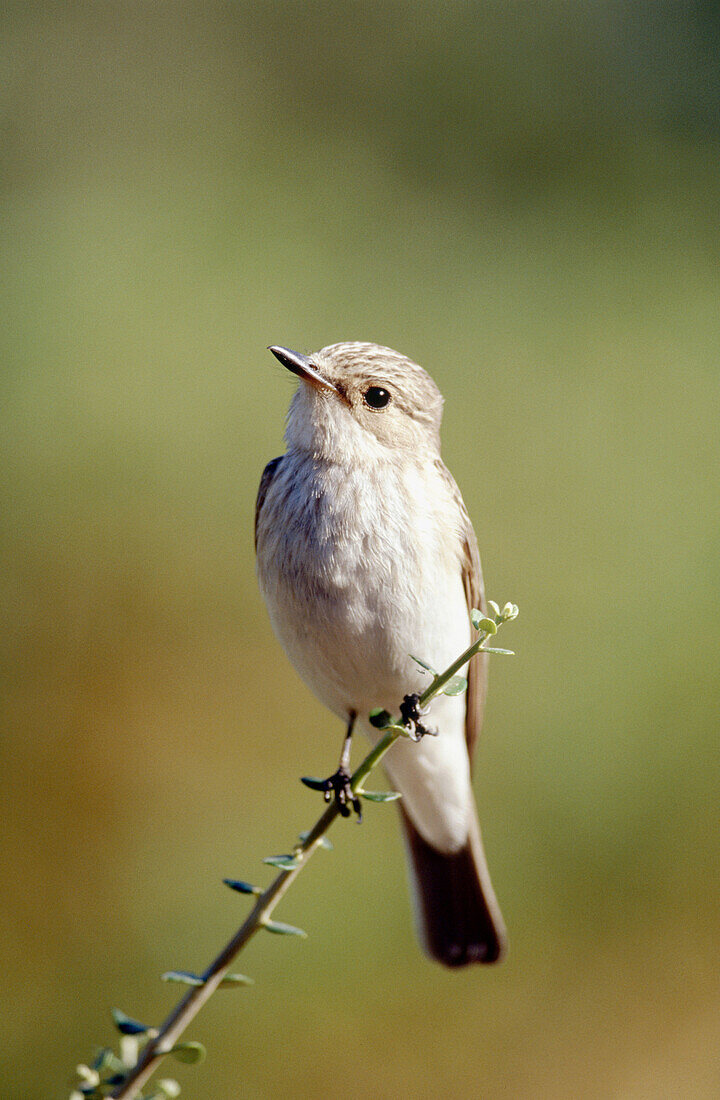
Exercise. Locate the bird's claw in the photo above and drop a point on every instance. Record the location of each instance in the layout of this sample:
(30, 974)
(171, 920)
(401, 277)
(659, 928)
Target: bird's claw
(412, 714)
(338, 785)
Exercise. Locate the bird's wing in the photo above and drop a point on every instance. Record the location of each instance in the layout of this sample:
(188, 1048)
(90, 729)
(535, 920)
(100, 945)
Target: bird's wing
(475, 596)
(265, 481)
(477, 673)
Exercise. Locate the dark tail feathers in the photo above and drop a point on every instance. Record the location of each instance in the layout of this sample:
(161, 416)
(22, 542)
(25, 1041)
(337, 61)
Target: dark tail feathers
(458, 915)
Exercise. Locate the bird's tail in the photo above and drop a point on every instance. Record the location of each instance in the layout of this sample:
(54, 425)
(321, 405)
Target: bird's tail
(458, 917)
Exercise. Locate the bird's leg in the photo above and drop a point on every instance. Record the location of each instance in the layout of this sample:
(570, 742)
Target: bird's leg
(339, 783)
(411, 713)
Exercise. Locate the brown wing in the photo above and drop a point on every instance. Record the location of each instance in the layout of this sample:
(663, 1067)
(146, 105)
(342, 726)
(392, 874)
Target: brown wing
(475, 596)
(265, 481)
(477, 673)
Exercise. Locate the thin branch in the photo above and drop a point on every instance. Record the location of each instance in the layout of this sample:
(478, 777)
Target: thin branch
(176, 1023)
(163, 1040)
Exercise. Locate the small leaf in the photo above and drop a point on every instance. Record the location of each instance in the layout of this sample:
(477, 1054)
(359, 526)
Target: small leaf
(456, 686)
(236, 979)
(380, 796)
(313, 783)
(87, 1075)
(380, 718)
(323, 841)
(167, 1087)
(106, 1059)
(183, 977)
(287, 863)
(423, 665)
(503, 652)
(126, 1025)
(480, 622)
(189, 1052)
(510, 611)
(493, 607)
(242, 887)
(129, 1047)
(280, 929)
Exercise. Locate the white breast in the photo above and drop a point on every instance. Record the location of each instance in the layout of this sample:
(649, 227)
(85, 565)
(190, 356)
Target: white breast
(359, 574)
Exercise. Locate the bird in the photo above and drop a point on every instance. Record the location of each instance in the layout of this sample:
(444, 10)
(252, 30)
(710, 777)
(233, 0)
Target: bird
(366, 559)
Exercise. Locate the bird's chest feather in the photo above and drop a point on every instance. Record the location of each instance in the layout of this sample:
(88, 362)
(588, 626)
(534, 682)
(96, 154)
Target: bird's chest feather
(358, 568)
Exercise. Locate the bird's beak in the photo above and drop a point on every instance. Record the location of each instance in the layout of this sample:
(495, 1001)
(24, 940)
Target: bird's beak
(301, 365)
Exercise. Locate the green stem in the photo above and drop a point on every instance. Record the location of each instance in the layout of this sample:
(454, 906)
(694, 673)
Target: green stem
(186, 1010)
(439, 681)
(443, 678)
(170, 1031)
(373, 758)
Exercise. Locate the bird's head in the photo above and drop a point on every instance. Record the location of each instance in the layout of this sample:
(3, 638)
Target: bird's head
(360, 400)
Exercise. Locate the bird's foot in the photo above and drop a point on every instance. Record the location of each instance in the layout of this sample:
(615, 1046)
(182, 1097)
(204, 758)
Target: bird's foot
(339, 786)
(412, 714)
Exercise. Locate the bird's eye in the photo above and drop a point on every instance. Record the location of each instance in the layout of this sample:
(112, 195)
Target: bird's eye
(376, 397)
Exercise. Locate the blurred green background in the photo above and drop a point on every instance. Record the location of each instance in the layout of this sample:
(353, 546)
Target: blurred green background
(525, 199)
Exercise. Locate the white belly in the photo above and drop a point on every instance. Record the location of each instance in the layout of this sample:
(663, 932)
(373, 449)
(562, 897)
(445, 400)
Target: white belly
(353, 589)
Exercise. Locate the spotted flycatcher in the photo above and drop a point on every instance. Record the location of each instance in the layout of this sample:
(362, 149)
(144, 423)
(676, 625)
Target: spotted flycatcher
(366, 555)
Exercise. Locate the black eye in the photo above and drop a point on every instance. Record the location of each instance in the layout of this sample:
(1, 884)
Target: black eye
(376, 397)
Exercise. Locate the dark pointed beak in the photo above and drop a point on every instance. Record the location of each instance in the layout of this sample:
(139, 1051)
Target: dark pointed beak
(301, 365)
